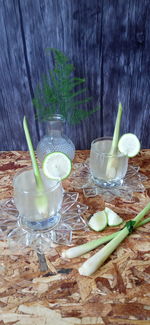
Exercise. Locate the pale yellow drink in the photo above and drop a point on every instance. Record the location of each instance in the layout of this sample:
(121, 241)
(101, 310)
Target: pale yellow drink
(38, 210)
(107, 169)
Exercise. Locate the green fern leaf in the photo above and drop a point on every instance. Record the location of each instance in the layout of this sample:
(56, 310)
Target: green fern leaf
(58, 93)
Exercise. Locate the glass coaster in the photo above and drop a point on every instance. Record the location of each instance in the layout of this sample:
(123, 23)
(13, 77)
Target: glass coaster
(81, 179)
(62, 234)
(68, 201)
(41, 241)
(19, 238)
(75, 221)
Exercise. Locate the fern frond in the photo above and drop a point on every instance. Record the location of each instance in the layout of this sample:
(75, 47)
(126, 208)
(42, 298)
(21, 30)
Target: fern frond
(57, 93)
(79, 114)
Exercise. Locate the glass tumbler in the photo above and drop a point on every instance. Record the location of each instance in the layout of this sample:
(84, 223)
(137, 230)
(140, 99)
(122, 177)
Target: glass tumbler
(107, 170)
(38, 209)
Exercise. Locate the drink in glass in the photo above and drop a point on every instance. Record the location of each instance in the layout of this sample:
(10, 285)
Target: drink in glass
(107, 169)
(39, 209)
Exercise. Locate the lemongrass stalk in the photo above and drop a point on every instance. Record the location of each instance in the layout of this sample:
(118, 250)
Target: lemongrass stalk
(116, 135)
(143, 222)
(111, 169)
(41, 200)
(87, 247)
(35, 166)
(94, 262)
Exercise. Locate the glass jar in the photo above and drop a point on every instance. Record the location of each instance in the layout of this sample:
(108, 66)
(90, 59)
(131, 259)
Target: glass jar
(55, 140)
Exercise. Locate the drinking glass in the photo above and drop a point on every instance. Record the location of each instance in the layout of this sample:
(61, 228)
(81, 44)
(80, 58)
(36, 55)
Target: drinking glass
(107, 169)
(38, 209)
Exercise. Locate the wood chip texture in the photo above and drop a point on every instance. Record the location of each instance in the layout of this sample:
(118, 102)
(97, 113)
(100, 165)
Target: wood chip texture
(118, 293)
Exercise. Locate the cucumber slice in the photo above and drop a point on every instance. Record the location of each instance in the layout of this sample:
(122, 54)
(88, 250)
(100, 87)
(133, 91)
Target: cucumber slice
(113, 218)
(98, 221)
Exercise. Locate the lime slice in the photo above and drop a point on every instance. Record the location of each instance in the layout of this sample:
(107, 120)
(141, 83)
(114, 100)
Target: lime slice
(129, 145)
(57, 165)
(113, 218)
(98, 221)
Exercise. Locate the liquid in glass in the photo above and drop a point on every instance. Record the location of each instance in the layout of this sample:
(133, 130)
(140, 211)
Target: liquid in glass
(107, 170)
(38, 210)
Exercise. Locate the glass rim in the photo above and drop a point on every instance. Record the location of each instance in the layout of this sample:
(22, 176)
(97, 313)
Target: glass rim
(103, 153)
(25, 191)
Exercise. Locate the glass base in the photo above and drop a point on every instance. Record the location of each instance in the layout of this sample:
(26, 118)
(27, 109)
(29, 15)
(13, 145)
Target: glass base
(81, 178)
(48, 223)
(107, 184)
(20, 238)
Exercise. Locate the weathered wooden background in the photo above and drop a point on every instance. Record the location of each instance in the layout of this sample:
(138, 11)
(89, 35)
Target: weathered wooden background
(108, 41)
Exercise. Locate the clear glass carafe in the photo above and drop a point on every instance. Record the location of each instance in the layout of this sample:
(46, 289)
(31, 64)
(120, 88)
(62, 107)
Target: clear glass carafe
(55, 140)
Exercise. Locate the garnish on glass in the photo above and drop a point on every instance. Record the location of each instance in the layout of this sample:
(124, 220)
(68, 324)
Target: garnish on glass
(111, 168)
(41, 200)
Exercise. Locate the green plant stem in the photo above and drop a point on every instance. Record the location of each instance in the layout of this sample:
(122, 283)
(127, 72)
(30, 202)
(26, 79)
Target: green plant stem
(143, 222)
(41, 199)
(35, 166)
(116, 135)
(93, 263)
(112, 163)
(87, 247)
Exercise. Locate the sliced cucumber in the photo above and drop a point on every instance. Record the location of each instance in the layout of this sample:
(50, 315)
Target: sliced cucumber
(98, 221)
(113, 218)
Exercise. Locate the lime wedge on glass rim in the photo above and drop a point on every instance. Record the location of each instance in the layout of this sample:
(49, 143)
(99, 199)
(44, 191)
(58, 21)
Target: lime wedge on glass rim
(57, 165)
(129, 145)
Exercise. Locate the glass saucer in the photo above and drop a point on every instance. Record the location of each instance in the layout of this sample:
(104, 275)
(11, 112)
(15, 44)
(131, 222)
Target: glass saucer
(81, 179)
(19, 238)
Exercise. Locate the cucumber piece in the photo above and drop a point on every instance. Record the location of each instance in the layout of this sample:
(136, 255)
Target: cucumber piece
(113, 218)
(98, 221)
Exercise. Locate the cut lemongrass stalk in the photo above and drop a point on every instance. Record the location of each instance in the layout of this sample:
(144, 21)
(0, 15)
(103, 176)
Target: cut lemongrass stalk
(111, 169)
(94, 262)
(87, 247)
(41, 200)
(143, 222)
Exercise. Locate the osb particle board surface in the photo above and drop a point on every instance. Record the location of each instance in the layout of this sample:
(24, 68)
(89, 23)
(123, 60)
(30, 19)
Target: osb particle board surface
(118, 293)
